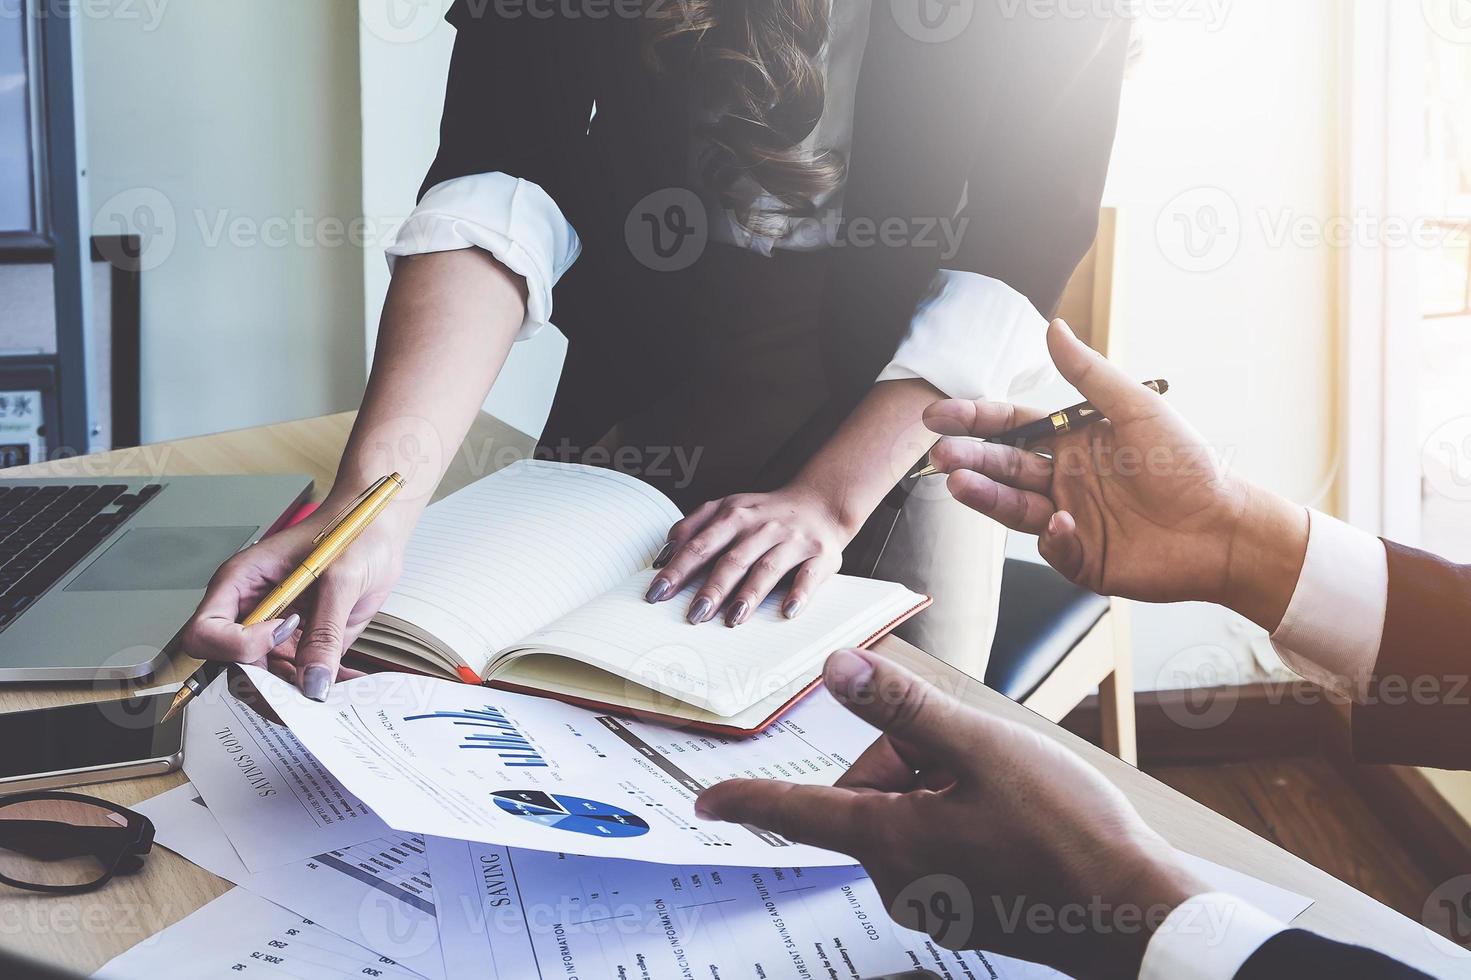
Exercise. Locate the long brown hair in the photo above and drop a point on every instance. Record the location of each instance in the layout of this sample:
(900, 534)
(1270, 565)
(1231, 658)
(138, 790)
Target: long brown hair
(757, 63)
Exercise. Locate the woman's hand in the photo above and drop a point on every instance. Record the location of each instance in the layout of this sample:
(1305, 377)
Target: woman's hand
(332, 613)
(749, 543)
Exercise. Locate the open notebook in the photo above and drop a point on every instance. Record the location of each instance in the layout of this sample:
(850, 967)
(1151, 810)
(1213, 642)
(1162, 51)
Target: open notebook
(533, 580)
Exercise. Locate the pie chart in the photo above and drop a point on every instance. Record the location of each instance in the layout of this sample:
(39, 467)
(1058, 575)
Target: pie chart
(570, 813)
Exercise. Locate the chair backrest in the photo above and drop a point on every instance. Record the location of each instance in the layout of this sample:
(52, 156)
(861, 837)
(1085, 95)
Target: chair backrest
(1088, 303)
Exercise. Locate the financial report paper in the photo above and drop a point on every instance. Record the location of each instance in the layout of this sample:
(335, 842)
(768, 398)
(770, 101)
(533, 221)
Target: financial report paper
(450, 908)
(376, 894)
(256, 773)
(452, 760)
(521, 915)
(242, 934)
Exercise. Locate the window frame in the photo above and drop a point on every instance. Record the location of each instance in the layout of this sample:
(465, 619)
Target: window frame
(1383, 86)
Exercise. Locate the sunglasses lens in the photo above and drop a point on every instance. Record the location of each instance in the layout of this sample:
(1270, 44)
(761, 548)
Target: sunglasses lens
(59, 843)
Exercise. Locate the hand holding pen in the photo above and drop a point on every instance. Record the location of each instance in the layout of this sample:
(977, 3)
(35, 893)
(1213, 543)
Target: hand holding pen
(213, 635)
(1140, 507)
(1058, 423)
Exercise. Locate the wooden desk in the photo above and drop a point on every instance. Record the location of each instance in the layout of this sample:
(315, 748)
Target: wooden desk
(83, 933)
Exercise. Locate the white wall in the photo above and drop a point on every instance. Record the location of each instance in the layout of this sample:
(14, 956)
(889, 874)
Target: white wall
(405, 51)
(1231, 122)
(229, 132)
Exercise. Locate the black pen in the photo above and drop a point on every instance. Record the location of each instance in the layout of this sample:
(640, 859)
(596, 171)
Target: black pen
(1056, 424)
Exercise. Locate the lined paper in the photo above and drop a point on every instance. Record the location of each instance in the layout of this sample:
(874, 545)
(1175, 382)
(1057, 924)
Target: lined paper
(712, 666)
(515, 551)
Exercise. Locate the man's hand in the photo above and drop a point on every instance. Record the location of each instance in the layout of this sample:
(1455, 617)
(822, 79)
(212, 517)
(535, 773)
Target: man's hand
(1137, 506)
(980, 832)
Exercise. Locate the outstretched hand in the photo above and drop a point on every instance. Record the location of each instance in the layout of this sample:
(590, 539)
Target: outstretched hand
(970, 826)
(1137, 506)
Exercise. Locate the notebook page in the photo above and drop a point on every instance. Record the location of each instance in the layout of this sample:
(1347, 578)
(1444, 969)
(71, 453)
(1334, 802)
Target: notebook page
(711, 666)
(511, 553)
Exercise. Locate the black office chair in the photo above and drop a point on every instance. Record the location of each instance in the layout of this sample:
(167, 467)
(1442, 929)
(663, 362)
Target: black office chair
(1055, 643)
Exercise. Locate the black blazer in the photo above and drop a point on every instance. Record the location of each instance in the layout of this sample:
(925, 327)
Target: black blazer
(1014, 120)
(1295, 953)
(1417, 709)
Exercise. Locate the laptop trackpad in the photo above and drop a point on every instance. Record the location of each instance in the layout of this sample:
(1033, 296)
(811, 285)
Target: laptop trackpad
(161, 559)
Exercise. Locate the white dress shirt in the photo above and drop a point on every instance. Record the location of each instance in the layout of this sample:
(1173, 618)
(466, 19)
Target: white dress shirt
(972, 337)
(1331, 635)
(1208, 937)
(1335, 621)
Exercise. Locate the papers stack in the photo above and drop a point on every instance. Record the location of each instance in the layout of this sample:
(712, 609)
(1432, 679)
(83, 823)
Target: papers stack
(416, 827)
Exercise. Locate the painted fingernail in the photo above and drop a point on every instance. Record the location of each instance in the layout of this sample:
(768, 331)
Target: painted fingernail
(738, 614)
(792, 608)
(659, 591)
(316, 682)
(284, 631)
(702, 609)
(848, 674)
(665, 553)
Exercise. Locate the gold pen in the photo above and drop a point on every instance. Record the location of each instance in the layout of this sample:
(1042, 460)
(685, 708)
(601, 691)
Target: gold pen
(1056, 424)
(336, 538)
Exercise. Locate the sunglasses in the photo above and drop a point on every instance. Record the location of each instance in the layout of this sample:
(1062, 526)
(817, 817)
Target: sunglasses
(66, 844)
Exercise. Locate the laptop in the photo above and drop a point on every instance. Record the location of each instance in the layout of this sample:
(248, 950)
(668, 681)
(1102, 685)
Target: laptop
(97, 576)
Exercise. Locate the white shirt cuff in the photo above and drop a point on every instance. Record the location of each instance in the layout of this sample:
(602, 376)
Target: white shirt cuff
(973, 337)
(512, 219)
(1335, 622)
(1208, 937)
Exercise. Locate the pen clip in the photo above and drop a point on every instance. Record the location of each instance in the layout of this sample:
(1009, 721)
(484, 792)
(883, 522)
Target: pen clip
(331, 525)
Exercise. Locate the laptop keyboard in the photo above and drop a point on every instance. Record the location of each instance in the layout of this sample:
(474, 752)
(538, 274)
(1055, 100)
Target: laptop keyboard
(45, 531)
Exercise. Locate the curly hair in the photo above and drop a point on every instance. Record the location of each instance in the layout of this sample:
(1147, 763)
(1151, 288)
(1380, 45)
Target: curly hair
(757, 63)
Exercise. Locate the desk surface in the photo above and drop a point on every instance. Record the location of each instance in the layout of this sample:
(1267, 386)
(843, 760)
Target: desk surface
(85, 932)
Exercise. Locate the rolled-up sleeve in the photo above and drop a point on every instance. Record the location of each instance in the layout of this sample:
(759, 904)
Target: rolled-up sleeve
(973, 337)
(512, 219)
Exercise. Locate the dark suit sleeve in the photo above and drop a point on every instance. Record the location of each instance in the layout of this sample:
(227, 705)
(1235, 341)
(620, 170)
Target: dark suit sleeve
(1033, 203)
(519, 96)
(1417, 708)
(1297, 953)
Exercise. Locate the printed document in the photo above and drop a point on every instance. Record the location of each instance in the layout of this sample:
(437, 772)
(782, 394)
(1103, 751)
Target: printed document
(243, 764)
(518, 915)
(376, 893)
(506, 913)
(449, 760)
(243, 934)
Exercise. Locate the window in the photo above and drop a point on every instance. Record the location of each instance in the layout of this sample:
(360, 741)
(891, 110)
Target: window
(18, 91)
(1443, 358)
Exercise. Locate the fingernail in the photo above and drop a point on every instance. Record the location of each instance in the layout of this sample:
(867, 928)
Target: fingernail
(701, 610)
(792, 608)
(665, 553)
(738, 613)
(316, 682)
(659, 591)
(702, 812)
(284, 631)
(848, 674)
